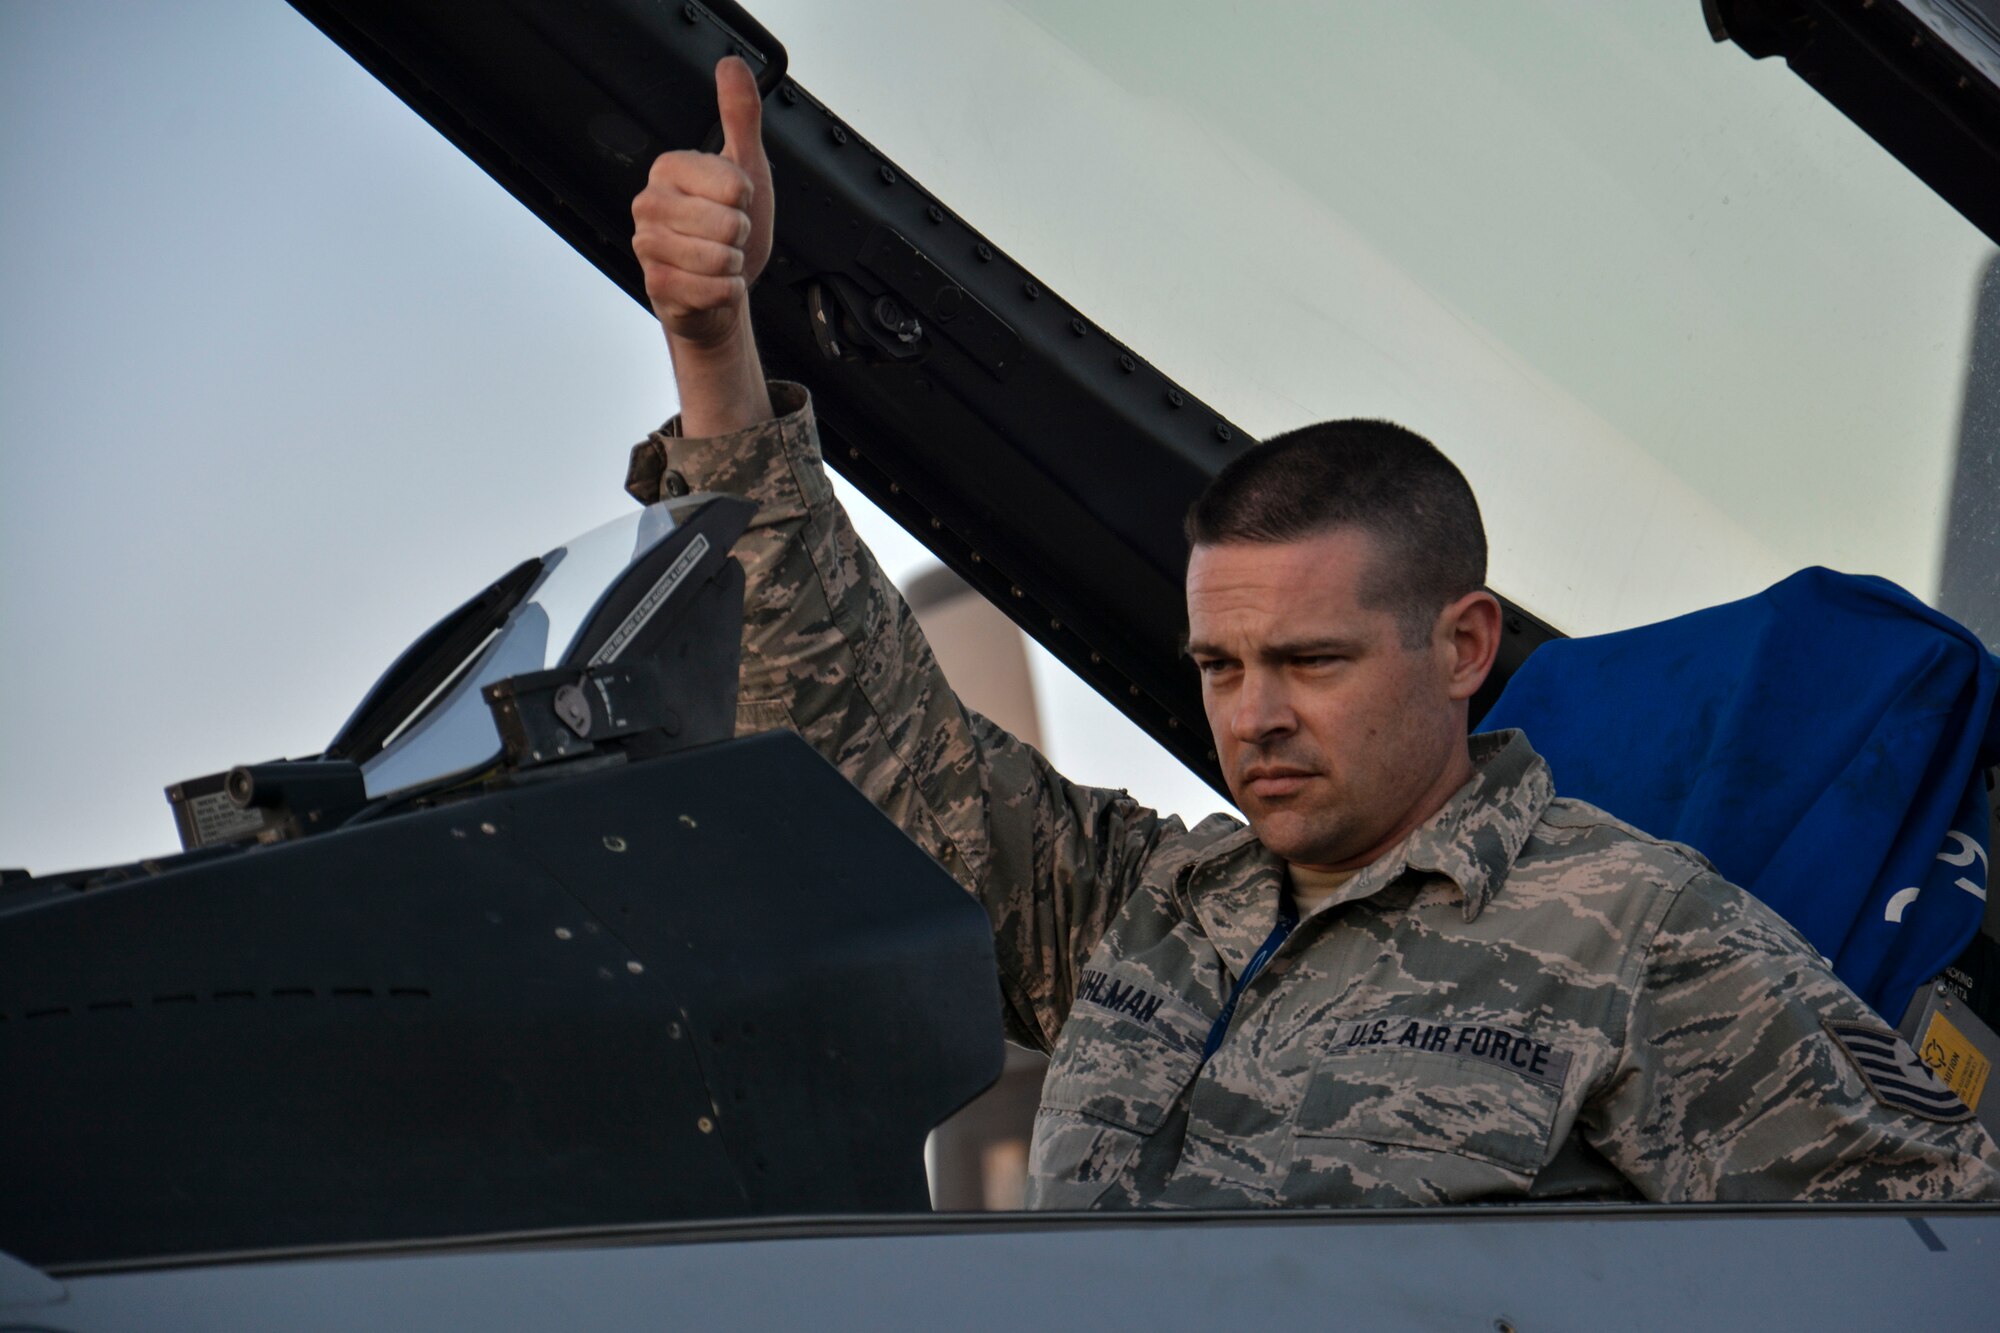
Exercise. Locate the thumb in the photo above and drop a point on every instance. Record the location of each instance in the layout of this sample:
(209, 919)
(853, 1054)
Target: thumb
(742, 113)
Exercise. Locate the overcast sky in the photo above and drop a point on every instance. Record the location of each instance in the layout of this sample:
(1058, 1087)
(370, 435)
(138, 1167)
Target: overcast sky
(282, 379)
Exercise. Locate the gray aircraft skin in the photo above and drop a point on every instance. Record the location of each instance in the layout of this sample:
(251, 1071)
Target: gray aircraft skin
(1527, 1268)
(1537, 1270)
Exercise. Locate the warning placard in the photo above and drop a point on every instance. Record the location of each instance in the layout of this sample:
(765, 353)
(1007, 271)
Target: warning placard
(218, 819)
(1954, 1059)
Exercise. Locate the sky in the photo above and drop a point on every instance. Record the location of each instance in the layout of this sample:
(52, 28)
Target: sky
(283, 378)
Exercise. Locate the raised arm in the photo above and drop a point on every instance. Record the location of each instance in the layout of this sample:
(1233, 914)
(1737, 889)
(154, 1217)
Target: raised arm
(829, 648)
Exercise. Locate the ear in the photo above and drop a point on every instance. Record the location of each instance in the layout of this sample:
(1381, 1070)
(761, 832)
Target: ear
(1468, 639)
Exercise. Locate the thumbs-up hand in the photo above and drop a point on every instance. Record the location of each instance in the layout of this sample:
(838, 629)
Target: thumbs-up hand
(702, 225)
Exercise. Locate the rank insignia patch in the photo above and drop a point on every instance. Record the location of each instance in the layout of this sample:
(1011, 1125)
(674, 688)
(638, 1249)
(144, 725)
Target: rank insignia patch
(1895, 1075)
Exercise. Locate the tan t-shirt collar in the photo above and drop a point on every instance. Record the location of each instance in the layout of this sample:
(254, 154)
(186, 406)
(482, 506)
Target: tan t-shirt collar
(1315, 889)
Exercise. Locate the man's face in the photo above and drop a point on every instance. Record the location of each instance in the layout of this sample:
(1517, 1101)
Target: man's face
(1336, 739)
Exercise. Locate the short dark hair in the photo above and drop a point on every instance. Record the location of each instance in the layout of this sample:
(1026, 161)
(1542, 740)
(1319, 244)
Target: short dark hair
(1373, 475)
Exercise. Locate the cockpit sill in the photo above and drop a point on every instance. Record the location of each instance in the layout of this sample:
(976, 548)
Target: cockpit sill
(862, 1226)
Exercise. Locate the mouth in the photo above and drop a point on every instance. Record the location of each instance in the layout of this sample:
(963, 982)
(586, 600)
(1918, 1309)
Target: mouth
(1274, 781)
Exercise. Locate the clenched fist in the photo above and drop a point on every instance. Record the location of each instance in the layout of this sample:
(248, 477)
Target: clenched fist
(702, 225)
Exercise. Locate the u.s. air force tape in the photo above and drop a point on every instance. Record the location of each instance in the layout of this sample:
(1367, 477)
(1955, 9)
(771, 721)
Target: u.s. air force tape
(1895, 1075)
(1537, 1061)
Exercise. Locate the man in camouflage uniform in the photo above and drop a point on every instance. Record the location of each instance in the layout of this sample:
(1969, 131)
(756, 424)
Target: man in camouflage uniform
(1501, 993)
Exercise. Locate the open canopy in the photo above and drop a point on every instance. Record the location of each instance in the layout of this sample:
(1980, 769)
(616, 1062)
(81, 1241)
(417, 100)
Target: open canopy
(1685, 325)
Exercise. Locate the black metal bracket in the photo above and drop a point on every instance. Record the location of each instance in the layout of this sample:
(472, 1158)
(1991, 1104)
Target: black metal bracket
(272, 802)
(953, 311)
(641, 709)
(851, 324)
(1921, 79)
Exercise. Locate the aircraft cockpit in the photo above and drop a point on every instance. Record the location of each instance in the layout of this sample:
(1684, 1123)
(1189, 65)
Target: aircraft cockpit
(555, 967)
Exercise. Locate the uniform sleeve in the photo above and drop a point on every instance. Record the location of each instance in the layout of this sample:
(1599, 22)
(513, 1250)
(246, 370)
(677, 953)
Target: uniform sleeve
(1733, 1083)
(831, 650)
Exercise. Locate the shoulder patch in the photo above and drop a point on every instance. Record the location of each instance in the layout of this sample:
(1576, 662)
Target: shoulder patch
(1895, 1075)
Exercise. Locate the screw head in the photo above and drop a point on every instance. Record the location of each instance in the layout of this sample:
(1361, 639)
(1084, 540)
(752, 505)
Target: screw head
(888, 175)
(895, 319)
(692, 13)
(1031, 289)
(1126, 363)
(790, 94)
(1174, 398)
(839, 134)
(1078, 327)
(934, 213)
(1222, 431)
(984, 251)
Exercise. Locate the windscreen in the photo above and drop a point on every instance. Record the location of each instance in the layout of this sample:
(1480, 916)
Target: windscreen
(454, 732)
(1686, 328)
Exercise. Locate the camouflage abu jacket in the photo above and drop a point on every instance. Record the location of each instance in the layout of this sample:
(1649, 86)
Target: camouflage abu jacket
(1525, 999)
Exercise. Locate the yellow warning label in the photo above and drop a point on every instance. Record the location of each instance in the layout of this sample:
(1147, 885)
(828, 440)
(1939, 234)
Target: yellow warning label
(1955, 1060)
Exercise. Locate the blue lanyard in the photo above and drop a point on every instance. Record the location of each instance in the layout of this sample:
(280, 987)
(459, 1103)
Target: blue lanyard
(1288, 920)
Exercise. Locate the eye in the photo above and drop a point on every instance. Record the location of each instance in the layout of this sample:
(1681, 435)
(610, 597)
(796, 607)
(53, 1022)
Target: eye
(1212, 666)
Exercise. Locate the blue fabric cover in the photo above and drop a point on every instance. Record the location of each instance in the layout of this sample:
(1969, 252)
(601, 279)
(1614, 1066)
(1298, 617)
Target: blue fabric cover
(1823, 743)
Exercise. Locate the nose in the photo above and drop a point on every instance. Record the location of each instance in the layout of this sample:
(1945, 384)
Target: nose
(1262, 709)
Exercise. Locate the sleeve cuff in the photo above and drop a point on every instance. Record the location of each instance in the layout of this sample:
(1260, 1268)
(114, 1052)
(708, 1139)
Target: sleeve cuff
(664, 464)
